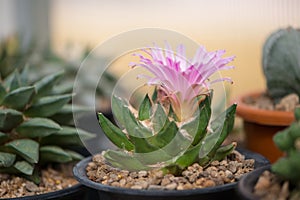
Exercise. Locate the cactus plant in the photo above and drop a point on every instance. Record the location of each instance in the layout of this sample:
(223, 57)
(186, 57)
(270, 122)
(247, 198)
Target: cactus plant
(288, 167)
(171, 129)
(35, 124)
(281, 64)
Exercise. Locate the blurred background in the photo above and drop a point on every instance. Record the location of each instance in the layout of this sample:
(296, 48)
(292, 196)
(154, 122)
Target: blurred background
(239, 26)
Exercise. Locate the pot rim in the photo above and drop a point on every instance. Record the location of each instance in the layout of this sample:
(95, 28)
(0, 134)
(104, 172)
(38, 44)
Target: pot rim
(80, 174)
(265, 117)
(51, 195)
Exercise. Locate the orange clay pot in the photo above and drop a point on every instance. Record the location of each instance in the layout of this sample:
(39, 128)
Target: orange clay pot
(261, 125)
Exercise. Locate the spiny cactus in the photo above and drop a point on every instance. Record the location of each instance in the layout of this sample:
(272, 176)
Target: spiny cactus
(288, 141)
(281, 63)
(153, 137)
(35, 124)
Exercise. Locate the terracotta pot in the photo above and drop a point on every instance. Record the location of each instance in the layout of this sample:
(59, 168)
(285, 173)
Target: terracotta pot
(261, 125)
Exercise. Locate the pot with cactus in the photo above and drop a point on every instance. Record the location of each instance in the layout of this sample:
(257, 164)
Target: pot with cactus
(169, 146)
(281, 180)
(36, 139)
(266, 112)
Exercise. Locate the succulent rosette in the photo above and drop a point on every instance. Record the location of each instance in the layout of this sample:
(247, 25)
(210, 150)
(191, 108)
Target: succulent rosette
(172, 128)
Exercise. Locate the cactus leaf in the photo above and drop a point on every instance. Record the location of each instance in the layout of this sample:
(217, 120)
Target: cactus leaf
(54, 154)
(26, 148)
(283, 139)
(7, 159)
(159, 118)
(74, 155)
(203, 119)
(115, 135)
(145, 109)
(9, 119)
(123, 160)
(47, 106)
(223, 151)
(13, 82)
(38, 127)
(19, 98)
(2, 92)
(189, 157)
(24, 167)
(45, 85)
(68, 136)
(117, 108)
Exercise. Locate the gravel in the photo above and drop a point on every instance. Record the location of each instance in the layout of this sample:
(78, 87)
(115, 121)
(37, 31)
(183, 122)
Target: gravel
(195, 176)
(12, 186)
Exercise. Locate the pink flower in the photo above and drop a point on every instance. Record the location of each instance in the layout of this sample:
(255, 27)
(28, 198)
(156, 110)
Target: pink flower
(181, 79)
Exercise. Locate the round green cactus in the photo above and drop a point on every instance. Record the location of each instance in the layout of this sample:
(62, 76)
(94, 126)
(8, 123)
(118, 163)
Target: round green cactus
(281, 63)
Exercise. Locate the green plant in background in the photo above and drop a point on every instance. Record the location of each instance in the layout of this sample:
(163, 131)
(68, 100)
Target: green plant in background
(172, 129)
(35, 124)
(281, 64)
(288, 167)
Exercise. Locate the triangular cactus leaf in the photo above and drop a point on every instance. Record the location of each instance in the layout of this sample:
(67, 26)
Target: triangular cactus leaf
(24, 75)
(114, 134)
(68, 136)
(38, 127)
(223, 151)
(7, 159)
(9, 119)
(54, 154)
(145, 109)
(13, 82)
(189, 157)
(19, 98)
(26, 148)
(24, 167)
(124, 160)
(45, 85)
(47, 106)
(117, 106)
(159, 118)
(2, 92)
(74, 155)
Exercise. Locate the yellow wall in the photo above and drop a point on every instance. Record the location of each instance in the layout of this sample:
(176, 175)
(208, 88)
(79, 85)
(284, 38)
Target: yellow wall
(239, 26)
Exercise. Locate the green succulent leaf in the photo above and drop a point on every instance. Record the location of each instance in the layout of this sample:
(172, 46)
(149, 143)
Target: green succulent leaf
(189, 157)
(124, 160)
(7, 159)
(221, 127)
(159, 118)
(74, 155)
(115, 135)
(68, 136)
(13, 82)
(283, 139)
(47, 106)
(203, 119)
(117, 108)
(65, 115)
(19, 98)
(2, 92)
(223, 151)
(9, 119)
(24, 75)
(24, 167)
(54, 154)
(38, 127)
(26, 148)
(45, 85)
(145, 109)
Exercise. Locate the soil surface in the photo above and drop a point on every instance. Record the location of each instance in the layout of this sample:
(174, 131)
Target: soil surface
(288, 103)
(269, 187)
(51, 180)
(217, 173)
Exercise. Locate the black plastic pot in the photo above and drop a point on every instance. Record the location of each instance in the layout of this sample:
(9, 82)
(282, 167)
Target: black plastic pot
(247, 183)
(105, 192)
(76, 192)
